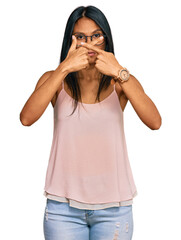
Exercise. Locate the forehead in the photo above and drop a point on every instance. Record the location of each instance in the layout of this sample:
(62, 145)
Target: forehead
(85, 25)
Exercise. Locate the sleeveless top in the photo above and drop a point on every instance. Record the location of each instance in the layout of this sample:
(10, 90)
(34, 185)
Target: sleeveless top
(88, 164)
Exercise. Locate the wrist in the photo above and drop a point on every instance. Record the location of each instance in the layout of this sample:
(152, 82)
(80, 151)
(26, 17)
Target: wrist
(116, 71)
(63, 68)
(123, 75)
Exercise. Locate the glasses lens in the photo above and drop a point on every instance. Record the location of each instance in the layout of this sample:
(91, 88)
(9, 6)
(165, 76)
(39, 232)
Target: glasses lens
(97, 36)
(80, 38)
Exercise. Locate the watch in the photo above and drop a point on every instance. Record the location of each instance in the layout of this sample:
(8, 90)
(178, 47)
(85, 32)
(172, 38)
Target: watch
(123, 75)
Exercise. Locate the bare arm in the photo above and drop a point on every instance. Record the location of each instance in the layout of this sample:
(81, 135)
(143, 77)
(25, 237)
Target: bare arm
(45, 90)
(76, 60)
(142, 104)
(107, 64)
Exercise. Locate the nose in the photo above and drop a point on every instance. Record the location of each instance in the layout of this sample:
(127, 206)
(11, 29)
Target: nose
(88, 39)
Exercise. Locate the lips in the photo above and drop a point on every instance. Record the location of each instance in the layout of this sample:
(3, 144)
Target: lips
(91, 52)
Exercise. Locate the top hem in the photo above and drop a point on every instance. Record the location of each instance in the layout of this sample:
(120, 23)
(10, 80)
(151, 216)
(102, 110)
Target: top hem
(68, 199)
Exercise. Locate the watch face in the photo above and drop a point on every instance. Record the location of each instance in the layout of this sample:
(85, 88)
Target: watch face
(124, 74)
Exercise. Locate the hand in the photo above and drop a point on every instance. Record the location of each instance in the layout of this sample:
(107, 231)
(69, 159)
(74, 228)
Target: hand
(76, 59)
(106, 62)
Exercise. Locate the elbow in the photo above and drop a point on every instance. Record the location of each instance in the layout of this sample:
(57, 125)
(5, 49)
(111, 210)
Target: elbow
(24, 121)
(157, 124)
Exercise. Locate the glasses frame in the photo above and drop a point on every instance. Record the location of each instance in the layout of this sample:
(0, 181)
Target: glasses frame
(91, 37)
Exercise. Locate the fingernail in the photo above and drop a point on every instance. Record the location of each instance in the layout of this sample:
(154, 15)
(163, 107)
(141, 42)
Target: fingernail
(82, 43)
(101, 37)
(72, 36)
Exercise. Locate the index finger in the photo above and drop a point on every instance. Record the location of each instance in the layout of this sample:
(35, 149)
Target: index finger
(92, 46)
(73, 44)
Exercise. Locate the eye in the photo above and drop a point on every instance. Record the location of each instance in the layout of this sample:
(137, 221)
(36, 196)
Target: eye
(96, 35)
(80, 37)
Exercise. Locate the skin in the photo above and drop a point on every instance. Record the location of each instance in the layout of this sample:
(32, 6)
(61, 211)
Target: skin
(89, 76)
(88, 68)
(106, 63)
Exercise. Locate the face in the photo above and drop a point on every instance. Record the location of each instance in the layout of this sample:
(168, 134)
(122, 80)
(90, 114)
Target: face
(88, 27)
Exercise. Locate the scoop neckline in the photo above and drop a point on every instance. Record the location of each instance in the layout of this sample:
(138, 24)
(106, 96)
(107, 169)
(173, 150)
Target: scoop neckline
(91, 103)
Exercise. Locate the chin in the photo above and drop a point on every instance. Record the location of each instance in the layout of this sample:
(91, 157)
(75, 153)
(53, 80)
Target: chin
(93, 58)
(92, 61)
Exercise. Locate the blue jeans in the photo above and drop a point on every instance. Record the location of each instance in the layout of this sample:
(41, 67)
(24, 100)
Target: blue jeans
(62, 222)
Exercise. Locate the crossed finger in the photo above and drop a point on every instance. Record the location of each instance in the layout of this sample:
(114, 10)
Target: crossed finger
(92, 46)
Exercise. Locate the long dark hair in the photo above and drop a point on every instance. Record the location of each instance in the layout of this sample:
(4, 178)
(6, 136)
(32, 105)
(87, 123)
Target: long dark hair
(99, 18)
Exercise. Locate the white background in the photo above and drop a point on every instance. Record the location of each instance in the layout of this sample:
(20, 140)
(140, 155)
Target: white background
(146, 37)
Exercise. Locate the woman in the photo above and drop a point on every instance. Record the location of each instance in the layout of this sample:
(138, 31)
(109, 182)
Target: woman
(89, 183)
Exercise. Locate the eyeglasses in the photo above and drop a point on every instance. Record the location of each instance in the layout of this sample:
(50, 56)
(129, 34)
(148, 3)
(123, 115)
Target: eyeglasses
(83, 38)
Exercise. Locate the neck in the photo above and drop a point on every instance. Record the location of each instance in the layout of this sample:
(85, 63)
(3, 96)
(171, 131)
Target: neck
(89, 75)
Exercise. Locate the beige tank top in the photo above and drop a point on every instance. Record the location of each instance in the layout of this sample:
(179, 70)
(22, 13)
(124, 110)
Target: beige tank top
(88, 165)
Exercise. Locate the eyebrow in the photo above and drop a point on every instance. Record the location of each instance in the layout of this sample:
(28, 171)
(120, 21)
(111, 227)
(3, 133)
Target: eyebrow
(92, 32)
